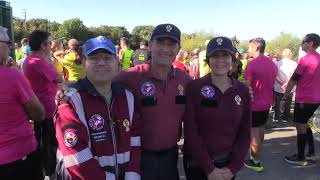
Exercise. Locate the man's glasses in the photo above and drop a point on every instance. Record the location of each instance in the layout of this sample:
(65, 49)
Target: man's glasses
(6, 42)
(95, 59)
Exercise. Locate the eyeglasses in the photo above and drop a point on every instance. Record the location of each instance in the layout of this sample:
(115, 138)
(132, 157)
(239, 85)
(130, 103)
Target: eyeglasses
(95, 59)
(7, 42)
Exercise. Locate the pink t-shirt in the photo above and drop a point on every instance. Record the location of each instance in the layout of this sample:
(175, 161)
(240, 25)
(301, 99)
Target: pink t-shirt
(16, 134)
(309, 84)
(41, 76)
(262, 73)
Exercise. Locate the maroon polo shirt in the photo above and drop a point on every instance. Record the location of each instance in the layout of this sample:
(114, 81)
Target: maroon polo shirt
(216, 123)
(161, 104)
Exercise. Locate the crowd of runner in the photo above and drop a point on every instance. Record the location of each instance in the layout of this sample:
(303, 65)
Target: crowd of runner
(96, 110)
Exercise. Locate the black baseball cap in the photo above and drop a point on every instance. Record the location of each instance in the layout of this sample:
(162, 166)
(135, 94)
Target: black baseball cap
(220, 44)
(166, 30)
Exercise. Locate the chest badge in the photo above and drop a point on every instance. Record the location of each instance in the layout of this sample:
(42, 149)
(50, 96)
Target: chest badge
(148, 89)
(181, 90)
(238, 99)
(126, 124)
(96, 122)
(208, 91)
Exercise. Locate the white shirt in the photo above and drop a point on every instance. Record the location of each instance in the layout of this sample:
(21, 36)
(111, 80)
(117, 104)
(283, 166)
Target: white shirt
(286, 68)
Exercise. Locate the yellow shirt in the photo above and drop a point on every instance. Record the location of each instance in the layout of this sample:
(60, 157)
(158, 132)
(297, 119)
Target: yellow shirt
(75, 71)
(58, 66)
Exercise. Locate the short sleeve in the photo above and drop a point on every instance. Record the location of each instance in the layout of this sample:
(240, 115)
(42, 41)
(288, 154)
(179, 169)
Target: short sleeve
(23, 89)
(301, 67)
(48, 71)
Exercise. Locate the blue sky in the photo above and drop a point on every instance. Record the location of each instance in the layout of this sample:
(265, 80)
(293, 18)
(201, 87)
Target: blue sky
(246, 18)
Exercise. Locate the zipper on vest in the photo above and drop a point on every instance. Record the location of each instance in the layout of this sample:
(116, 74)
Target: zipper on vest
(114, 141)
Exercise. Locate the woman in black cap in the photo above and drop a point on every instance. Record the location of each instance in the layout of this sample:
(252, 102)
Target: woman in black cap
(217, 121)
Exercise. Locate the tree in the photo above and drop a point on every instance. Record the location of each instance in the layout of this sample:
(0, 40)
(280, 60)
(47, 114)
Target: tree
(117, 32)
(283, 41)
(73, 28)
(194, 40)
(19, 30)
(144, 32)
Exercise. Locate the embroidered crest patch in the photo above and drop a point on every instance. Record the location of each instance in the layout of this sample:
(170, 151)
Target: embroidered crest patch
(70, 138)
(96, 122)
(148, 89)
(208, 91)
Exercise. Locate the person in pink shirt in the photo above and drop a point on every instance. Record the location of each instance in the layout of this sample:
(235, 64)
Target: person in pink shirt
(44, 79)
(260, 74)
(18, 104)
(306, 78)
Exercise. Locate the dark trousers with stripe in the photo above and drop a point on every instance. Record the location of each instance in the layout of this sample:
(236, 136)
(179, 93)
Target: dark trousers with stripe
(160, 165)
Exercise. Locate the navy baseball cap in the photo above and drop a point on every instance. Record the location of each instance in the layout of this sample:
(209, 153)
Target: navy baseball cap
(166, 30)
(99, 42)
(220, 44)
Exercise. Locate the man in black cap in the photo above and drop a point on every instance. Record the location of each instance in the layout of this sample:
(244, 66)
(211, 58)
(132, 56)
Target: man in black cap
(159, 90)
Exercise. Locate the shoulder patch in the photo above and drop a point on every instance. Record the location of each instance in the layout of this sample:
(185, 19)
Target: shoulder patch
(70, 138)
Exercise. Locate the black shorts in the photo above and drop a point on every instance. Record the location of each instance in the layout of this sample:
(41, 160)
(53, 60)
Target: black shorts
(26, 168)
(259, 118)
(303, 112)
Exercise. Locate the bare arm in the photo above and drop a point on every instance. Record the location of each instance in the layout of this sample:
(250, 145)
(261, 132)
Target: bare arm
(34, 109)
(289, 87)
(121, 53)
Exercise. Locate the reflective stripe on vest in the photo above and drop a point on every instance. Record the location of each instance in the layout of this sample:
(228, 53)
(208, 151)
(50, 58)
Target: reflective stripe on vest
(75, 159)
(76, 99)
(110, 176)
(109, 160)
(132, 176)
(135, 141)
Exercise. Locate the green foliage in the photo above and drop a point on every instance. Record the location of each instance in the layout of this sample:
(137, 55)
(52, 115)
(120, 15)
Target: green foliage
(74, 28)
(19, 30)
(194, 40)
(144, 32)
(284, 40)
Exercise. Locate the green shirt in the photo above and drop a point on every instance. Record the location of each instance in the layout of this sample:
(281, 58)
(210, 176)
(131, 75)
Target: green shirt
(244, 66)
(126, 61)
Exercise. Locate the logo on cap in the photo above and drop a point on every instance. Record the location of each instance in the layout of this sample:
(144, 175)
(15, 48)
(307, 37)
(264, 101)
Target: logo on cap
(168, 28)
(219, 41)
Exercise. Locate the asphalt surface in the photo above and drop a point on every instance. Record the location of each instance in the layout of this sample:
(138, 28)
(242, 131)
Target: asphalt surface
(279, 141)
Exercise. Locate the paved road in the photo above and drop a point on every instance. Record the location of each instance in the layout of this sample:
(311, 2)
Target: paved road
(279, 142)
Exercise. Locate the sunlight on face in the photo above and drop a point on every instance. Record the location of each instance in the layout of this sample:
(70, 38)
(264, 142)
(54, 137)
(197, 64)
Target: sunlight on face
(220, 63)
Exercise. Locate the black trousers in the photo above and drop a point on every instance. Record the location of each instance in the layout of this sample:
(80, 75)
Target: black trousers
(46, 138)
(27, 168)
(193, 171)
(277, 113)
(160, 165)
